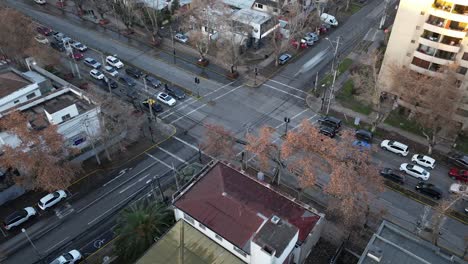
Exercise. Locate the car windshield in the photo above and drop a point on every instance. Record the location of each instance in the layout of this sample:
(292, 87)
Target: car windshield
(68, 256)
(92, 61)
(57, 261)
(56, 195)
(114, 60)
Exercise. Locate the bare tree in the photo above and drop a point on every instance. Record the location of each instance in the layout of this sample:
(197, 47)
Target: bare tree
(79, 4)
(440, 214)
(40, 156)
(102, 6)
(151, 17)
(125, 10)
(218, 142)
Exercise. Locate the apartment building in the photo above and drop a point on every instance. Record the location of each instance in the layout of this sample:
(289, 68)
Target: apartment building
(247, 217)
(426, 35)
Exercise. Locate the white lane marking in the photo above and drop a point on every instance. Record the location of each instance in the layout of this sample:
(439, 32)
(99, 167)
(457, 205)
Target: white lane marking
(160, 161)
(279, 90)
(113, 189)
(173, 155)
(188, 144)
(292, 118)
(121, 173)
(289, 86)
(133, 184)
(52, 247)
(198, 108)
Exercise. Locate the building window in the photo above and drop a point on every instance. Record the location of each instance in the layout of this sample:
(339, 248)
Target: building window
(189, 219)
(465, 56)
(30, 96)
(257, 5)
(219, 238)
(462, 70)
(418, 27)
(422, 13)
(240, 251)
(16, 101)
(201, 226)
(66, 117)
(420, 63)
(413, 41)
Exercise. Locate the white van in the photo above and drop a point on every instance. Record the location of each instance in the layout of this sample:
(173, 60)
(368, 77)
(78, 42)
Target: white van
(329, 19)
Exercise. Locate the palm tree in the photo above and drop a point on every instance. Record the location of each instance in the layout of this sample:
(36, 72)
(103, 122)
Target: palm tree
(139, 225)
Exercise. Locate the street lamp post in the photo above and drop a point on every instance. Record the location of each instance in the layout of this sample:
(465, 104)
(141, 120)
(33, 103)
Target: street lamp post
(334, 71)
(30, 241)
(255, 77)
(197, 82)
(286, 120)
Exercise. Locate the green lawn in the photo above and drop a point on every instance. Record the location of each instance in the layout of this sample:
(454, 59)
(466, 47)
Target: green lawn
(347, 99)
(400, 121)
(354, 8)
(462, 144)
(344, 66)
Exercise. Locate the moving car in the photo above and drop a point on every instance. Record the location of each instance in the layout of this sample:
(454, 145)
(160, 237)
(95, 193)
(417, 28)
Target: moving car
(134, 72)
(41, 39)
(459, 160)
(364, 135)
(461, 189)
(57, 46)
(18, 217)
(329, 19)
(166, 99)
(330, 121)
(110, 70)
(40, 2)
(109, 82)
(92, 63)
(96, 74)
(393, 175)
(429, 189)
(68, 258)
(327, 131)
(152, 81)
(52, 199)
(181, 38)
(284, 58)
(458, 174)
(423, 160)
(415, 171)
(44, 31)
(395, 147)
(114, 62)
(362, 144)
(132, 94)
(175, 92)
(156, 108)
(127, 80)
(79, 46)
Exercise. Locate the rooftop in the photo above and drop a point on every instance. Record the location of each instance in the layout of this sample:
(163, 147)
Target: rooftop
(397, 245)
(198, 249)
(11, 81)
(240, 4)
(276, 236)
(224, 197)
(249, 16)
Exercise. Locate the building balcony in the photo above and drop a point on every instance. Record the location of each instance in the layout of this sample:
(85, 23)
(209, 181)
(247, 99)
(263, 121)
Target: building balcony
(455, 32)
(449, 15)
(439, 45)
(463, 62)
(424, 70)
(436, 57)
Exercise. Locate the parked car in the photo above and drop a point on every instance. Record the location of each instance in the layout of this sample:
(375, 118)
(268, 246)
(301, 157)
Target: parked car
(57, 46)
(330, 121)
(132, 94)
(460, 189)
(68, 258)
(415, 171)
(423, 160)
(114, 62)
(76, 55)
(313, 35)
(92, 63)
(329, 19)
(58, 36)
(79, 46)
(364, 135)
(96, 74)
(109, 82)
(40, 2)
(67, 41)
(152, 81)
(41, 39)
(459, 160)
(18, 217)
(296, 43)
(166, 99)
(127, 80)
(284, 58)
(134, 72)
(110, 70)
(174, 92)
(309, 41)
(393, 175)
(327, 131)
(322, 29)
(156, 108)
(44, 31)
(429, 189)
(395, 147)
(52, 199)
(181, 38)
(458, 174)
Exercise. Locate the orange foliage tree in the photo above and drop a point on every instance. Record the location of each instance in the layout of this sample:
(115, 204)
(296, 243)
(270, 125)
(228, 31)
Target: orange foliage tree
(39, 156)
(218, 142)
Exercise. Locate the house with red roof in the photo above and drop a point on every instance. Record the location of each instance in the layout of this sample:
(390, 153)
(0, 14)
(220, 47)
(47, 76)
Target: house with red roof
(248, 217)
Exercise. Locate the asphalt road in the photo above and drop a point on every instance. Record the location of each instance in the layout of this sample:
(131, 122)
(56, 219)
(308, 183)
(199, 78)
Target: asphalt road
(231, 104)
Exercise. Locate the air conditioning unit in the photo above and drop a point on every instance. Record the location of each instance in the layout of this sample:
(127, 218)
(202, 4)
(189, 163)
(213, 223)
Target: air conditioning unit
(375, 253)
(275, 219)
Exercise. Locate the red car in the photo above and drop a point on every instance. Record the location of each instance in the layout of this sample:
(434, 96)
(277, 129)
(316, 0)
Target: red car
(76, 55)
(44, 31)
(458, 174)
(294, 43)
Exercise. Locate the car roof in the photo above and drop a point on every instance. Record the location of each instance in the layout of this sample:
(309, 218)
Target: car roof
(47, 197)
(426, 158)
(398, 144)
(285, 55)
(19, 213)
(89, 59)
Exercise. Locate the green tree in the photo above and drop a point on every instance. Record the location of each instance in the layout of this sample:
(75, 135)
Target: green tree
(139, 225)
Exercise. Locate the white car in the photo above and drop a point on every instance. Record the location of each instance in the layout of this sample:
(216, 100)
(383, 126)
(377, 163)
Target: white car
(457, 188)
(395, 147)
(92, 63)
(67, 41)
(181, 38)
(114, 62)
(18, 217)
(415, 171)
(52, 199)
(41, 2)
(423, 160)
(166, 99)
(68, 258)
(79, 46)
(41, 39)
(111, 71)
(96, 74)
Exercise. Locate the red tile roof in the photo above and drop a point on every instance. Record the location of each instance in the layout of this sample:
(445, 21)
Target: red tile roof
(230, 203)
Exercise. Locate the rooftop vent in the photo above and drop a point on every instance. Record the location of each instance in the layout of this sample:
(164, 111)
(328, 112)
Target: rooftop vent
(375, 253)
(275, 219)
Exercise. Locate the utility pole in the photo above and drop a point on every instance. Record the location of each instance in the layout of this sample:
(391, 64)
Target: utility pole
(175, 176)
(286, 121)
(334, 70)
(32, 244)
(85, 121)
(108, 81)
(173, 44)
(255, 76)
(316, 82)
(384, 16)
(70, 53)
(197, 82)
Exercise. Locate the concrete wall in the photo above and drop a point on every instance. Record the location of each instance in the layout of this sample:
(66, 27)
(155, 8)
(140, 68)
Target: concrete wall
(311, 240)
(59, 116)
(19, 97)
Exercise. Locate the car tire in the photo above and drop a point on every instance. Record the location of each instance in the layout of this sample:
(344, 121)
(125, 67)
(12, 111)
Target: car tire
(401, 154)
